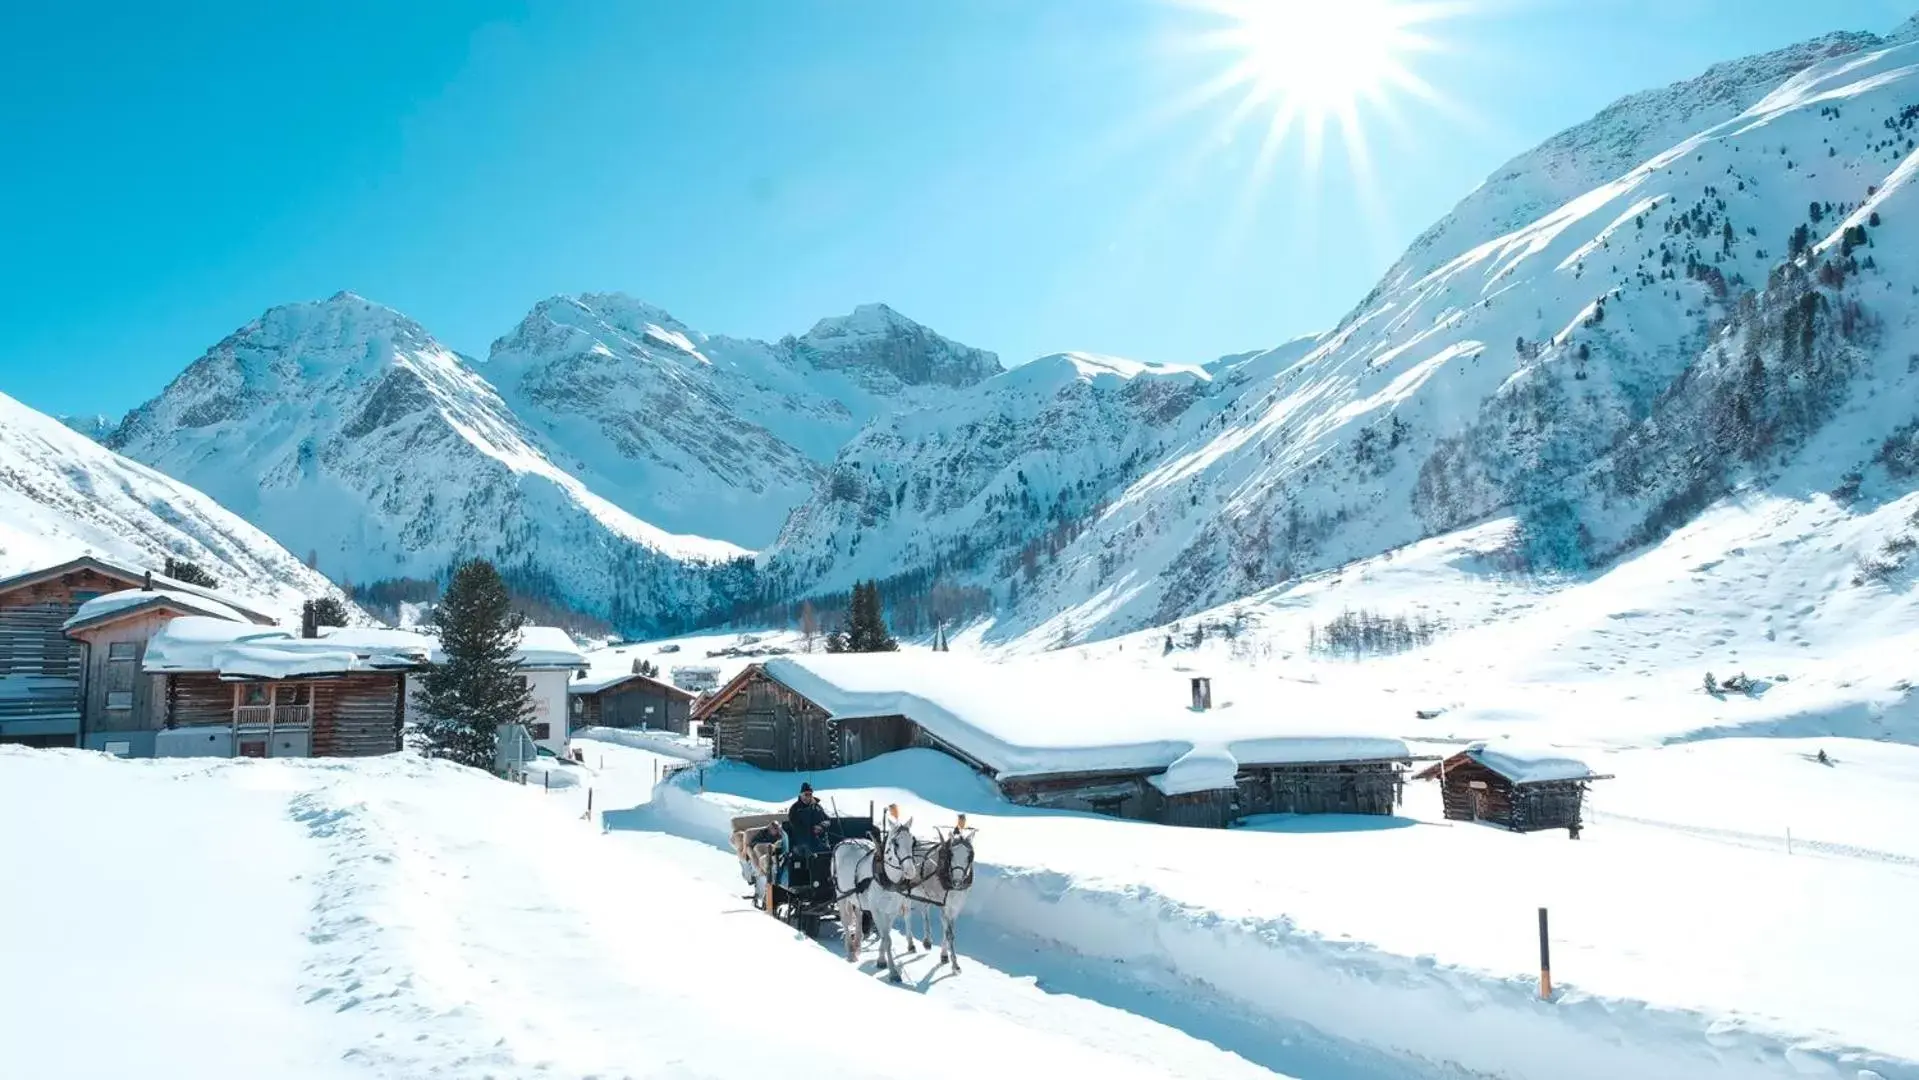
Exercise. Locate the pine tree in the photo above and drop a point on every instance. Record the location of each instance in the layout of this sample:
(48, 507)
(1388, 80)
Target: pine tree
(475, 687)
(328, 611)
(867, 629)
(182, 570)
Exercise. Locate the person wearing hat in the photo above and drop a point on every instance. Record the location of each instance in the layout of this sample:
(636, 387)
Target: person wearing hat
(806, 822)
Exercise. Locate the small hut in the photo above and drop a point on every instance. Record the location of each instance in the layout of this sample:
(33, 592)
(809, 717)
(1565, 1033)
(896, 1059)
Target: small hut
(1521, 789)
(631, 700)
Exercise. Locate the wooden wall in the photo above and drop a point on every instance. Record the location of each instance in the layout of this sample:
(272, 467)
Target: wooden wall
(357, 715)
(147, 710)
(766, 724)
(625, 705)
(1123, 795)
(1358, 788)
(36, 657)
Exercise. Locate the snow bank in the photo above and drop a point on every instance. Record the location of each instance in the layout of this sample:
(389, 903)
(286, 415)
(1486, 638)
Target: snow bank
(684, 747)
(1330, 926)
(1035, 717)
(112, 603)
(1523, 764)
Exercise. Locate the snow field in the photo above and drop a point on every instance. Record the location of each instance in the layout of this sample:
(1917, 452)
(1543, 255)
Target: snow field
(1678, 953)
(394, 917)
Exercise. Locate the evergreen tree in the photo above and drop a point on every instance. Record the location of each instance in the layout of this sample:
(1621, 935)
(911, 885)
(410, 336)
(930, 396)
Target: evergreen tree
(182, 570)
(328, 611)
(475, 687)
(867, 631)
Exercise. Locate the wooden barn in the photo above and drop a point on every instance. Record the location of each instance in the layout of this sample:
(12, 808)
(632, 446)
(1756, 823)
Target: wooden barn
(44, 672)
(632, 700)
(790, 714)
(760, 720)
(1518, 789)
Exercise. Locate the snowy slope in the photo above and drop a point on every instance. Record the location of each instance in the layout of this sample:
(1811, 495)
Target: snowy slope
(342, 428)
(62, 495)
(977, 488)
(712, 435)
(1689, 327)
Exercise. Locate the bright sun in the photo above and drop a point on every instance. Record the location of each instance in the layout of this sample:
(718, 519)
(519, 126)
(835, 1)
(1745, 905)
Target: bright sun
(1304, 64)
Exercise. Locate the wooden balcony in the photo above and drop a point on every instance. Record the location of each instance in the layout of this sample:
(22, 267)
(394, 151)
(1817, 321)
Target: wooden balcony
(271, 717)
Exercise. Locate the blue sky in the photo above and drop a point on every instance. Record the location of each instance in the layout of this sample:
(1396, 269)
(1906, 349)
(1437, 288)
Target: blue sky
(1007, 171)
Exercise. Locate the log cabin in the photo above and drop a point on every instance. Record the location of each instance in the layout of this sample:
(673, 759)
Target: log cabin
(1119, 748)
(631, 700)
(1512, 787)
(45, 670)
(223, 690)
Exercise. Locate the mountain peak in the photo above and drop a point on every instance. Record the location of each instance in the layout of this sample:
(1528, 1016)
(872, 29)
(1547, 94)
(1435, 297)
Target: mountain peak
(1904, 32)
(876, 338)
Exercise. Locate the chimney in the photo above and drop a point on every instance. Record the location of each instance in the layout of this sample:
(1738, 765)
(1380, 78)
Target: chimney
(1202, 693)
(147, 584)
(309, 624)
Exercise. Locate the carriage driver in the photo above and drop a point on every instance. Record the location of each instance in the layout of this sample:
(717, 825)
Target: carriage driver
(806, 822)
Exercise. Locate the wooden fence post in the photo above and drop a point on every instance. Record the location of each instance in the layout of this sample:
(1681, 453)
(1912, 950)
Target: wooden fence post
(1545, 961)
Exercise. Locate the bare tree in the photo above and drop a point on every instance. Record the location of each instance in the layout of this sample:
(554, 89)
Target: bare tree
(809, 627)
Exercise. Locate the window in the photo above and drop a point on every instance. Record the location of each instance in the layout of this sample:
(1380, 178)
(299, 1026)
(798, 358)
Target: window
(123, 657)
(296, 694)
(256, 694)
(542, 731)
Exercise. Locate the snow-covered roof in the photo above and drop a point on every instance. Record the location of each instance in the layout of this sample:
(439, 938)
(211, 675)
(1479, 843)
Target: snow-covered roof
(1524, 764)
(239, 651)
(116, 604)
(547, 647)
(601, 680)
(1031, 717)
(1203, 768)
(133, 574)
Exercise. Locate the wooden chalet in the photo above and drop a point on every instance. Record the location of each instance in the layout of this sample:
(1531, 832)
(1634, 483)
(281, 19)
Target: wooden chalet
(759, 719)
(632, 700)
(1524, 791)
(222, 691)
(58, 675)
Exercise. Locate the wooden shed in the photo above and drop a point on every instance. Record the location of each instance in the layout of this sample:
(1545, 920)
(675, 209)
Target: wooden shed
(759, 720)
(1518, 789)
(1374, 786)
(629, 701)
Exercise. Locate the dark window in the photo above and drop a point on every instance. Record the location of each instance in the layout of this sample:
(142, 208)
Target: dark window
(542, 731)
(122, 659)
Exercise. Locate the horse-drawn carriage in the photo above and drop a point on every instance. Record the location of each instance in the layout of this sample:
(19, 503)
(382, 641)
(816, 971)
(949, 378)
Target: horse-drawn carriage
(797, 886)
(875, 874)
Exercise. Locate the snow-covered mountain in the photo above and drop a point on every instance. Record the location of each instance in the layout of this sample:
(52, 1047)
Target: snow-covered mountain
(1735, 309)
(1705, 288)
(976, 485)
(62, 495)
(705, 434)
(343, 429)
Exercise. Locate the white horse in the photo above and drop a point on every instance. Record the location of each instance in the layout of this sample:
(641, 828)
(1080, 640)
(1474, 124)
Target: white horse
(943, 879)
(874, 881)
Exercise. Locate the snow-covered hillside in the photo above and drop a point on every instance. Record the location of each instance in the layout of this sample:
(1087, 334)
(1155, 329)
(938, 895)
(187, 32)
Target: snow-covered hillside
(712, 435)
(975, 489)
(343, 429)
(62, 495)
(1733, 312)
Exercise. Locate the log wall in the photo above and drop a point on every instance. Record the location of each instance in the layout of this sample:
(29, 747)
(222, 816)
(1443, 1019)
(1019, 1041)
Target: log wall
(1357, 788)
